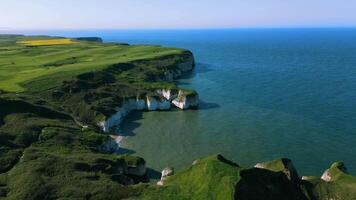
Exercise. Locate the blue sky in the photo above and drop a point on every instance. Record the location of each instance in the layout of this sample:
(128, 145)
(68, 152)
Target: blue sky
(171, 14)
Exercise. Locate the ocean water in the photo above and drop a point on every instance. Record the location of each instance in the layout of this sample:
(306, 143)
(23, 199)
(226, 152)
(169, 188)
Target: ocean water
(265, 94)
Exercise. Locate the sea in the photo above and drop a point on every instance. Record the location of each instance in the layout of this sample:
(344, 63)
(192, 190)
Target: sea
(264, 94)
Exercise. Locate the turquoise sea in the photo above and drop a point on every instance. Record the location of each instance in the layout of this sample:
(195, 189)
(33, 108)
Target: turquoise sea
(265, 94)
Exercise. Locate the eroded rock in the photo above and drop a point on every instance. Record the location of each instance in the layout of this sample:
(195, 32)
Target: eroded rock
(186, 99)
(168, 171)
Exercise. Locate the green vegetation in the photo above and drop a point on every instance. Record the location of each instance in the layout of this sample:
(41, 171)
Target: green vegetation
(341, 186)
(45, 60)
(53, 94)
(210, 178)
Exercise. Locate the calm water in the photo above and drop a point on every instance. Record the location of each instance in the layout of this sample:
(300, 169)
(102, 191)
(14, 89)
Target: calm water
(265, 94)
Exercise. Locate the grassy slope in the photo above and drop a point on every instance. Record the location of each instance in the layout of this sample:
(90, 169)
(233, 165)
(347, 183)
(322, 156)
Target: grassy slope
(66, 165)
(208, 178)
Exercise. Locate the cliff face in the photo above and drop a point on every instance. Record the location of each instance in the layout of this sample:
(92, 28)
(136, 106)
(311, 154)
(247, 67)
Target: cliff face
(149, 103)
(184, 67)
(186, 99)
(161, 99)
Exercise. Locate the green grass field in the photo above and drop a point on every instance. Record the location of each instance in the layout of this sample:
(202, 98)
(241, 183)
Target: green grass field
(23, 61)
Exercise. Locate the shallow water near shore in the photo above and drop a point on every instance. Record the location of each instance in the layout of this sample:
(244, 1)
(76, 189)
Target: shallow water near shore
(264, 94)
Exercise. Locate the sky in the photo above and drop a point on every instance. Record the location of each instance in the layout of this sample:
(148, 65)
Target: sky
(174, 14)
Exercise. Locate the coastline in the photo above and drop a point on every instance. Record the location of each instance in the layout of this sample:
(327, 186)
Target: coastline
(51, 142)
(49, 119)
(166, 98)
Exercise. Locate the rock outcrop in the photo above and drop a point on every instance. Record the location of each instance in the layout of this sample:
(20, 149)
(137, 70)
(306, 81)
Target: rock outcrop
(137, 169)
(168, 171)
(126, 107)
(186, 99)
(336, 169)
(168, 94)
(180, 98)
(284, 165)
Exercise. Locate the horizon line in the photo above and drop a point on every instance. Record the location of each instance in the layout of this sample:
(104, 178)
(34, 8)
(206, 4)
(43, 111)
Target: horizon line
(178, 28)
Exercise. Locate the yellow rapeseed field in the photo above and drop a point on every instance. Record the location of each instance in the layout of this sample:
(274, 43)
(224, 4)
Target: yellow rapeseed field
(48, 42)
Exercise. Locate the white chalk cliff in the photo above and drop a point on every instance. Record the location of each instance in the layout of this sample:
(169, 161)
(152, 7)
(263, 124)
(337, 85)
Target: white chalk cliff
(149, 103)
(163, 100)
(186, 100)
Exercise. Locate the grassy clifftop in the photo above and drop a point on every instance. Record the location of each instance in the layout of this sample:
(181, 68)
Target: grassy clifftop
(40, 63)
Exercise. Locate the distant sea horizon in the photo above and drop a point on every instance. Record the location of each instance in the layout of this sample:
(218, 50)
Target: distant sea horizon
(265, 94)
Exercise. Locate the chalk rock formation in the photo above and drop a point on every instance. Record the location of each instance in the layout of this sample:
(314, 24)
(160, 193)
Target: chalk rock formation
(182, 99)
(168, 94)
(186, 99)
(165, 174)
(149, 103)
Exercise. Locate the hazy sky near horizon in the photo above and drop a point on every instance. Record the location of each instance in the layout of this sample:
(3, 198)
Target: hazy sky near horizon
(167, 14)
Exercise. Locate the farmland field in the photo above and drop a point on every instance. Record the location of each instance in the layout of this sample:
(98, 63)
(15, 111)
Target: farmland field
(49, 42)
(25, 60)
